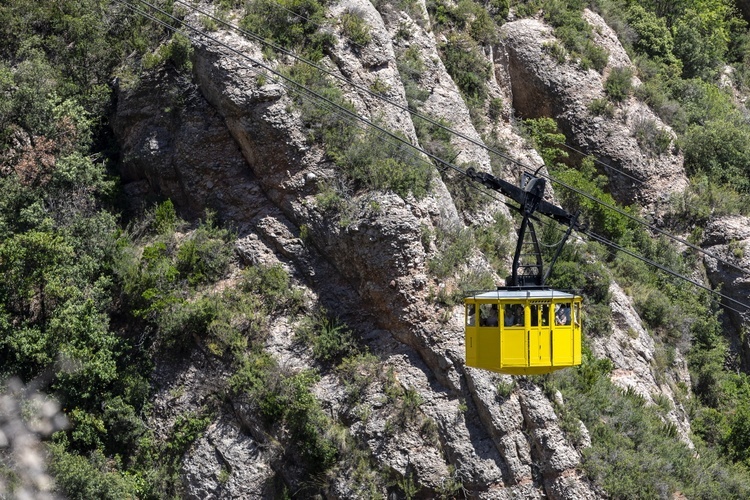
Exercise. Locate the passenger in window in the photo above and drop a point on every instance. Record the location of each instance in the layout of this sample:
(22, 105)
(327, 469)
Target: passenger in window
(562, 316)
(518, 315)
(471, 315)
(510, 318)
(492, 319)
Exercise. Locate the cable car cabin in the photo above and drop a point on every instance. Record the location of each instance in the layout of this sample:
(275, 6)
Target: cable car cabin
(523, 332)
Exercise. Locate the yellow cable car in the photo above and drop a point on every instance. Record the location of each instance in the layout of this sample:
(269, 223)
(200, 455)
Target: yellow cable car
(524, 328)
(523, 332)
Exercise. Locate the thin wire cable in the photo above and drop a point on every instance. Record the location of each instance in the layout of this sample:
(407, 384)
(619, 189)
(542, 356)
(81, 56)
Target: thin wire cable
(301, 87)
(321, 26)
(472, 140)
(606, 165)
(665, 269)
(439, 160)
(326, 103)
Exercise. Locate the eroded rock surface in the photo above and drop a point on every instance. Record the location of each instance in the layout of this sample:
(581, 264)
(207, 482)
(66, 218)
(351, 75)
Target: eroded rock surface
(727, 241)
(632, 351)
(543, 87)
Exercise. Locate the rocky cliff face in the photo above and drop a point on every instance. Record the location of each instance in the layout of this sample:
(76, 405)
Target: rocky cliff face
(232, 142)
(542, 86)
(727, 239)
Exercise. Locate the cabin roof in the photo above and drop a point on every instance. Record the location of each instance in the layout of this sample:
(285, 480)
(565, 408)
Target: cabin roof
(522, 294)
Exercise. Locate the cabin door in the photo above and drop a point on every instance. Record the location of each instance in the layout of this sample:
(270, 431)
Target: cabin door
(540, 341)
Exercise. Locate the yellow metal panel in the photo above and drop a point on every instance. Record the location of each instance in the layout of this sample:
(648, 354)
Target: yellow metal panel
(470, 338)
(514, 348)
(471, 346)
(539, 347)
(546, 343)
(562, 347)
(488, 348)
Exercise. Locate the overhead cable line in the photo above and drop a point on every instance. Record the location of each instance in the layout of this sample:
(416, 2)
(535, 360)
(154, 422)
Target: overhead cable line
(667, 270)
(446, 164)
(470, 139)
(321, 26)
(280, 75)
(596, 160)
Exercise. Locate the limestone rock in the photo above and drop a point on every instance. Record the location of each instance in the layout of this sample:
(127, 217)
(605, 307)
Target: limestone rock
(631, 349)
(227, 463)
(557, 459)
(727, 240)
(237, 145)
(542, 87)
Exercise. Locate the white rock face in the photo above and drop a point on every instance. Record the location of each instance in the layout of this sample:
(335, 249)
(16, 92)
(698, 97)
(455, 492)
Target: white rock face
(542, 87)
(238, 146)
(227, 463)
(631, 349)
(727, 240)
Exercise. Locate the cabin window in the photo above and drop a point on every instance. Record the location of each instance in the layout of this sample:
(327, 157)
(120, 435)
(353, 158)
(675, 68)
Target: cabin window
(471, 315)
(577, 314)
(562, 314)
(514, 315)
(536, 310)
(488, 315)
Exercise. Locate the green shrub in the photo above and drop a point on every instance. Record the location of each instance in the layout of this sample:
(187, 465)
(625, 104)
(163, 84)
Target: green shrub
(380, 162)
(700, 40)
(467, 66)
(494, 240)
(495, 109)
(81, 478)
(546, 139)
(355, 28)
(601, 107)
(204, 256)
(370, 158)
(271, 282)
(287, 398)
(704, 198)
(720, 149)
(165, 217)
(410, 67)
(556, 51)
(651, 137)
(619, 84)
(653, 35)
(654, 308)
(331, 340)
(575, 34)
(454, 246)
(293, 24)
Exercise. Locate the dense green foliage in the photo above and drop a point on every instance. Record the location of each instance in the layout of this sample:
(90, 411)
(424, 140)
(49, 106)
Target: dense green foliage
(635, 452)
(292, 24)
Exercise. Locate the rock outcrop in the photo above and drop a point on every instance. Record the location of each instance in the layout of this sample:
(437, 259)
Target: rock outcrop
(632, 351)
(544, 87)
(727, 241)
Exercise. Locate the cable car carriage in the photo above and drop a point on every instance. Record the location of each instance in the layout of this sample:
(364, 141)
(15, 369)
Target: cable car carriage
(524, 328)
(523, 332)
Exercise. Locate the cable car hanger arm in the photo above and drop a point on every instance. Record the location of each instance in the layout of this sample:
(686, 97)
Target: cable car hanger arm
(530, 199)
